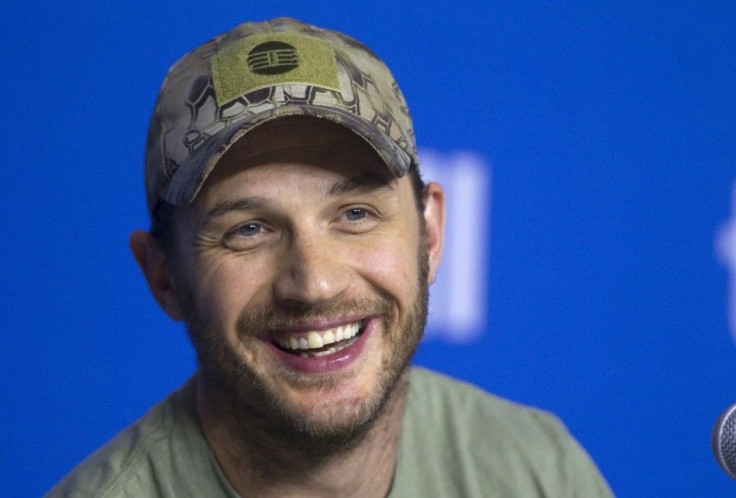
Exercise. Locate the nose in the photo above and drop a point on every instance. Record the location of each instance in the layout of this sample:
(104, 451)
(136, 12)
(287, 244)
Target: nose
(312, 270)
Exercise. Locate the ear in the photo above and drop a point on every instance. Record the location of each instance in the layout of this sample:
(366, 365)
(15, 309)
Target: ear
(151, 258)
(434, 220)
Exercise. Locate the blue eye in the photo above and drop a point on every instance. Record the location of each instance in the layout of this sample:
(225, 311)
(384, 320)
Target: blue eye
(249, 229)
(248, 236)
(356, 214)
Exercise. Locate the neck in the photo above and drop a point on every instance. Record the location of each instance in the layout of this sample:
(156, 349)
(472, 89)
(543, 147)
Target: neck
(257, 463)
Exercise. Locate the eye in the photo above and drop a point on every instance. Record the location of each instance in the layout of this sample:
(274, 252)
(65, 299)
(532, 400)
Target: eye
(356, 214)
(248, 235)
(358, 219)
(248, 230)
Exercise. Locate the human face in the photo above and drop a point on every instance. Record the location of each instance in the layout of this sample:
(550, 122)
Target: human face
(302, 269)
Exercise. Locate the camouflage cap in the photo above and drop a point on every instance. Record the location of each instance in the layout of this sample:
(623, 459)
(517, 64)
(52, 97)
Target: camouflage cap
(262, 71)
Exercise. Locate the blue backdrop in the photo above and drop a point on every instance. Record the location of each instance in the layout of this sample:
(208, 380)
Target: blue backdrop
(599, 143)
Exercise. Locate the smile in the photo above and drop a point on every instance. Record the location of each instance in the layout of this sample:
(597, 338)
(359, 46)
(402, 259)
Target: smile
(316, 343)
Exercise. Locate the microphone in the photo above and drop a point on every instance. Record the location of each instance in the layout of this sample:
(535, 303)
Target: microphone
(723, 441)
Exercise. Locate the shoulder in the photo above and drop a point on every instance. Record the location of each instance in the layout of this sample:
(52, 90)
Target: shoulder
(453, 402)
(138, 460)
(496, 445)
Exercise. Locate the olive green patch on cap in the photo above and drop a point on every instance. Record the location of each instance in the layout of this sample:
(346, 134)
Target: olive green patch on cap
(277, 59)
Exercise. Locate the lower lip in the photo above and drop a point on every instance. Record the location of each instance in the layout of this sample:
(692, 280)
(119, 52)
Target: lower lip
(328, 363)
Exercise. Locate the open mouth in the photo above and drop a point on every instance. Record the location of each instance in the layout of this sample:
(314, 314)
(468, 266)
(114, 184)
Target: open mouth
(316, 343)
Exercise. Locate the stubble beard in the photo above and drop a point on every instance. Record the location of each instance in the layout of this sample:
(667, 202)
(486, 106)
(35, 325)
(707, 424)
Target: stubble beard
(264, 415)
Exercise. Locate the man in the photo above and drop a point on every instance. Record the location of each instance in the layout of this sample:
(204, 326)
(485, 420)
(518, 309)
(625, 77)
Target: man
(292, 234)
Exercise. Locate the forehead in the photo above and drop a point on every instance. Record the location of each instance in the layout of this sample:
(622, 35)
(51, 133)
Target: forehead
(306, 141)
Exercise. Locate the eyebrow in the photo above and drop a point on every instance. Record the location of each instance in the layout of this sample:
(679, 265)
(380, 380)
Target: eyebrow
(236, 205)
(365, 182)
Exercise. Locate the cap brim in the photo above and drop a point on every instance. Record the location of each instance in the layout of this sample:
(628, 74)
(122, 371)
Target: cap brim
(191, 175)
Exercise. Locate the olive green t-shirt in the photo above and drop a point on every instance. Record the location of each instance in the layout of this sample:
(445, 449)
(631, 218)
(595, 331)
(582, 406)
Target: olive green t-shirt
(456, 441)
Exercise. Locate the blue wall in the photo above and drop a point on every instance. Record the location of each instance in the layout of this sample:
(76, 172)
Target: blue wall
(609, 143)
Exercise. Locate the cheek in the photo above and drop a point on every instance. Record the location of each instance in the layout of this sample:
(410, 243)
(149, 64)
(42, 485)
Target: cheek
(391, 264)
(226, 285)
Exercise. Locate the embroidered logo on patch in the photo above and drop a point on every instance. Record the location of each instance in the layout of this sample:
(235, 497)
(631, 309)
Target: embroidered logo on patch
(270, 60)
(273, 58)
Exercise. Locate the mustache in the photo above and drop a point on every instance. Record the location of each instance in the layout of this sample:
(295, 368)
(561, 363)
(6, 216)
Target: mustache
(285, 316)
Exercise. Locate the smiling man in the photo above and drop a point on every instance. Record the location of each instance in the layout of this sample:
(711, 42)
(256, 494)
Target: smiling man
(293, 235)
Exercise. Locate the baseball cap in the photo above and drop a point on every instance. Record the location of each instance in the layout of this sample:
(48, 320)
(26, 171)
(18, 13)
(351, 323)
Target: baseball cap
(262, 71)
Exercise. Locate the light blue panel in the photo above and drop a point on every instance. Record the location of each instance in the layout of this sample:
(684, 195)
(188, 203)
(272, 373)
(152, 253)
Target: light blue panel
(459, 297)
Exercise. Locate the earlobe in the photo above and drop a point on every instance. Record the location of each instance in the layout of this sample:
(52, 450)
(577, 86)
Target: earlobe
(151, 259)
(434, 220)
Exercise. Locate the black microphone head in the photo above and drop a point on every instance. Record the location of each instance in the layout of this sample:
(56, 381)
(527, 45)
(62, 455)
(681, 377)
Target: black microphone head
(723, 441)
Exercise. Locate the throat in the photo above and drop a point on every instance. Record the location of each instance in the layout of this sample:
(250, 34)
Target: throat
(258, 464)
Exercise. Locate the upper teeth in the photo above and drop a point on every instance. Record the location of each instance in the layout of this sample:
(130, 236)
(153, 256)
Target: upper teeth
(315, 339)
